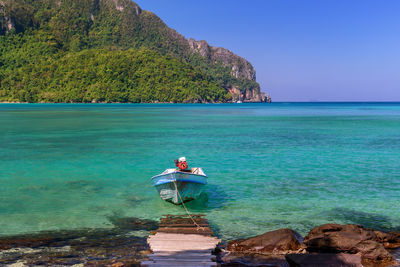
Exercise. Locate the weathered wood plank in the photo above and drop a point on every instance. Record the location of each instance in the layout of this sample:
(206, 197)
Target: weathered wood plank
(166, 263)
(180, 248)
(182, 225)
(179, 236)
(182, 253)
(183, 259)
(207, 232)
(183, 215)
(175, 258)
(177, 242)
(196, 251)
(186, 220)
(180, 242)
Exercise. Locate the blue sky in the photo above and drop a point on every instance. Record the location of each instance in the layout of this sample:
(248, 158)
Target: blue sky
(326, 50)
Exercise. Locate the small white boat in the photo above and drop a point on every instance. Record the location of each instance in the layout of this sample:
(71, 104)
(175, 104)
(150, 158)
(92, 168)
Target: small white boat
(180, 185)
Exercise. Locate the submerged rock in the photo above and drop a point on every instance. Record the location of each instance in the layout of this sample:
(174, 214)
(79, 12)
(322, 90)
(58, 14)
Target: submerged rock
(92, 247)
(280, 241)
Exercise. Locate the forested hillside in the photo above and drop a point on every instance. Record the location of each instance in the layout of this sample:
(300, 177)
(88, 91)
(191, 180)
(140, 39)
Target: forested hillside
(109, 51)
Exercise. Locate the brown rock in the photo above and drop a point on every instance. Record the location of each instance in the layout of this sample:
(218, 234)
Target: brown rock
(275, 242)
(259, 260)
(326, 260)
(373, 251)
(350, 238)
(388, 240)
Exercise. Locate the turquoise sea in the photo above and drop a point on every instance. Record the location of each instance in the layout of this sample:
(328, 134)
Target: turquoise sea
(296, 165)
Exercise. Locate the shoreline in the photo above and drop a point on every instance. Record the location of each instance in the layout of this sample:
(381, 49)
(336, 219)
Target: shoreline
(123, 245)
(16, 102)
(207, 103)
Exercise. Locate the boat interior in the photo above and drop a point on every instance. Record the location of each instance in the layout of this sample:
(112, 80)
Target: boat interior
(195, 170)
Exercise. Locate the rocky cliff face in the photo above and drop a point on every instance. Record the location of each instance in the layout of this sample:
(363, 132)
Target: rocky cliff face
(121, 5)
(252, 94)
(6, 24)
(240, 68)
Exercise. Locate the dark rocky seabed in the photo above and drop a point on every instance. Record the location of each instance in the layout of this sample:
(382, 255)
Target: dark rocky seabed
(123, 245)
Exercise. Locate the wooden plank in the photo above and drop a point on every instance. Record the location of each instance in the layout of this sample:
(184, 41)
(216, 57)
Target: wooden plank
(184, 219)
(191, 261)
(180, 263)
(184, 215)
(179, 250)
(186, 242)
(154, 240)
(185, 230)
(182, 256)
(193, 227)
(155, 263)
(183, 225)
(199, 222)
(185, 247)
(208, 232)
(174, 254)
(174, 265)
(182, 236)
(194, 251)
(178, 241)
(174, 258)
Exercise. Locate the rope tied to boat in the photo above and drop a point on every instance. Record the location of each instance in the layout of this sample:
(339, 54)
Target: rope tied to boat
(187, 211)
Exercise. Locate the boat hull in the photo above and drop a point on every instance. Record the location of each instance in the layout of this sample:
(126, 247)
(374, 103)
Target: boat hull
(177, 187)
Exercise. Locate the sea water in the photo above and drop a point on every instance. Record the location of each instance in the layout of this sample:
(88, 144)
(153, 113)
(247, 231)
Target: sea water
(295, 165)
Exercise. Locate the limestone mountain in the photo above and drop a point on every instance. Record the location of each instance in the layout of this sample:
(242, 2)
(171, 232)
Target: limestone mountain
(111, 50)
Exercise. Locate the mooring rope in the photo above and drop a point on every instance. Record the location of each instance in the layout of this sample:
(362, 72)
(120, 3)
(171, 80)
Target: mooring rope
(188, 213)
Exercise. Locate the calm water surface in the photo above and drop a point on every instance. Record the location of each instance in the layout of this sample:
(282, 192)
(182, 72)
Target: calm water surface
(269, 165)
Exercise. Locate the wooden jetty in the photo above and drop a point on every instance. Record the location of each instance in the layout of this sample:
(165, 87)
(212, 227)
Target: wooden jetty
(182, 240)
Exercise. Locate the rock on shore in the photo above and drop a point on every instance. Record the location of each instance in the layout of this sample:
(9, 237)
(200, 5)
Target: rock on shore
(278, 241)
(326, 259)
(325, 245)
(353, 239)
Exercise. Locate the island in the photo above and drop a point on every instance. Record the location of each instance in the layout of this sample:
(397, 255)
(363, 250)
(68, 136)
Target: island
(111, 51)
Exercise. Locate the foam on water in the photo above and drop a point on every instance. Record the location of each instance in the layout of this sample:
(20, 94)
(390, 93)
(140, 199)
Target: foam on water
(269, 165)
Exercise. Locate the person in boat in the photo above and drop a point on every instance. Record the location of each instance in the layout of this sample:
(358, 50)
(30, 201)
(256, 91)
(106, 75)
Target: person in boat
(182, 165)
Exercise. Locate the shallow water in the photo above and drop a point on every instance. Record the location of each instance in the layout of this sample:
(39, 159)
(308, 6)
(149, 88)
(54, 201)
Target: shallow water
(73, 166)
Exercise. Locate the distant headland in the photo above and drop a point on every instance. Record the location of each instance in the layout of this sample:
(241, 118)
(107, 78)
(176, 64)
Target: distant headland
(111, 51)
